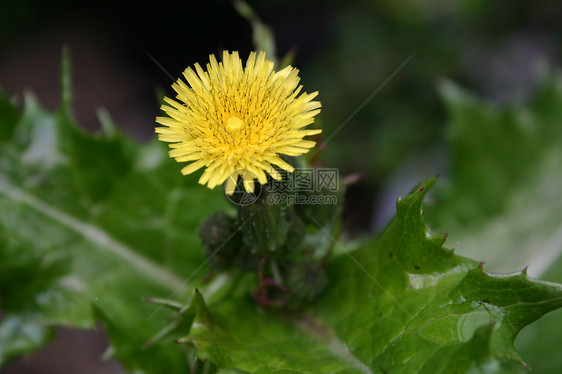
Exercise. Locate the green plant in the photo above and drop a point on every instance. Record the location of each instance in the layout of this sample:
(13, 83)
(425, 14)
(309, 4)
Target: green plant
(99, 228)
(92, 224)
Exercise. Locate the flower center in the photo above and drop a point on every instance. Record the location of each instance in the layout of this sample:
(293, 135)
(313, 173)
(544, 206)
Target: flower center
(234, 124)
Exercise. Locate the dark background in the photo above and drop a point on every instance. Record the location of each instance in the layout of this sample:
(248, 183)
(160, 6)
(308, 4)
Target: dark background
(344, 49)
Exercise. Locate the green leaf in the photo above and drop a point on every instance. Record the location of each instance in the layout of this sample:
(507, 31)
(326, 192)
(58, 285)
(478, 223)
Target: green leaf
(504, 189)
(402, 304)
(502, 202)
(93, 219)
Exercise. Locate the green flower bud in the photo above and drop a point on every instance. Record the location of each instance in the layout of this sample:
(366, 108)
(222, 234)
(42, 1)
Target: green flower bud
(296, 231)
(219, 235)
(264, 226)
(305, 282)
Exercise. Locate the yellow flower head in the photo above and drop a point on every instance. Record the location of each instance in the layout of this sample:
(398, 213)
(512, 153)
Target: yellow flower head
(236, 121)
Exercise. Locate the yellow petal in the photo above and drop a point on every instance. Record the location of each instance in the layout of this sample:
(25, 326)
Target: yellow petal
(193, 167)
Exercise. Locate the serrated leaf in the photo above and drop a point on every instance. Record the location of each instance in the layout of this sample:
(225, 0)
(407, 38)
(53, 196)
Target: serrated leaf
(92, 219)
(403, 304)
(502, 202)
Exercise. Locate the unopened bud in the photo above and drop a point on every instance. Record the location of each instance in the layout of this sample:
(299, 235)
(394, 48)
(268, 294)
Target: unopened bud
(305, 282)
(297, 230)
(264, 226)
(219, 235)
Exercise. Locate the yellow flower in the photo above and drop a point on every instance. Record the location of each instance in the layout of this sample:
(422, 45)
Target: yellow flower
(237, 121)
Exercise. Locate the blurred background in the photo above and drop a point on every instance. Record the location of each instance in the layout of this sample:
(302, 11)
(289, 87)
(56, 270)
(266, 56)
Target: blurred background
(375, 63)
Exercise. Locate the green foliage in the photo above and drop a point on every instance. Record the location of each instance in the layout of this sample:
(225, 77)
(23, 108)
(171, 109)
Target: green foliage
(401, 304)
(91, 225)
(92, 220)
(504, 175)
(503, 201)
